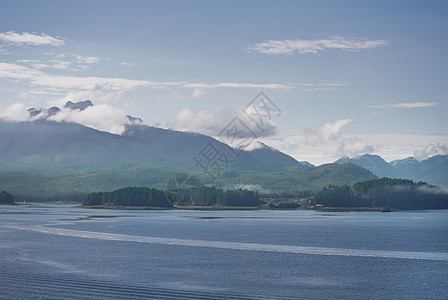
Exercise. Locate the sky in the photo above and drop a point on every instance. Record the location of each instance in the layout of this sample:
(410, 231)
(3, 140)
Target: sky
(348, 77)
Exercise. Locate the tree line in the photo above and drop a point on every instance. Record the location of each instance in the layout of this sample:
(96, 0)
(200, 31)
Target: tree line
(384, 192)
(131, 196)
(6, 198)
(150, 197)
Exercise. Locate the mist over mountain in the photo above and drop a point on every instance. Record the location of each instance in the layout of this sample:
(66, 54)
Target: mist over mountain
(49, 144)
(49, 156)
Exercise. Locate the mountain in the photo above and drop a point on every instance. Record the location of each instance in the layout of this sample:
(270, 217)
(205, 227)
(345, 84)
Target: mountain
(374, 163)
(44, 157)
(433, 170)
(305, 163)
(47, 144)
(82, 105)
(45, 113)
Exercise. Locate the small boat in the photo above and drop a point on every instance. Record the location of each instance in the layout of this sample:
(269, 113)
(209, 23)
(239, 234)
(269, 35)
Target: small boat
(386, 209)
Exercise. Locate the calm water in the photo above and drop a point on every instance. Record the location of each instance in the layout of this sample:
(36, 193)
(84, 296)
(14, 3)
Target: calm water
(58, 251)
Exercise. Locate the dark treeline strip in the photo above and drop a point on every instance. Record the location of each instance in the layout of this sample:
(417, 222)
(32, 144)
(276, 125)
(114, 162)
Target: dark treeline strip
(6, 198)
(385, 192)
(202, 196)
(132, 196)
(211, 196)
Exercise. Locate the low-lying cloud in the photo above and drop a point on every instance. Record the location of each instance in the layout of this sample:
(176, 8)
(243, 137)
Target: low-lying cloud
(327, 132)
(212, 123)
(16, 112)
(101, 117)
(354, 146)
(431, 150)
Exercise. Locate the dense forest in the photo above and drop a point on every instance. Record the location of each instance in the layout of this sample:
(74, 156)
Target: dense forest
(132, 196)
(202, 196)
(36, 185)
(211, 196)
(6, 198)
(385, 192)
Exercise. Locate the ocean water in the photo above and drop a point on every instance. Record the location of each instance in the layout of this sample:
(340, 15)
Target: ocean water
(50, 251)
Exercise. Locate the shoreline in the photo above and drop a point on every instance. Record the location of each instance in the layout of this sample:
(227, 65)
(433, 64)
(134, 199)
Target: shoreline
(245, 208)
(235, 208)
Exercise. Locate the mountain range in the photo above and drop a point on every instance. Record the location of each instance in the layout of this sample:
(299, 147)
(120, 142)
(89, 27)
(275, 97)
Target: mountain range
(45, 157)
(433, 170)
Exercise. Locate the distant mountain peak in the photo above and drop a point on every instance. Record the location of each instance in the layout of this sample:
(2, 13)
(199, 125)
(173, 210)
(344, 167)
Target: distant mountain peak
(306, 164)
(409, 160)
(81, 105)
(43, 113)
(374, 163)
(134, 120)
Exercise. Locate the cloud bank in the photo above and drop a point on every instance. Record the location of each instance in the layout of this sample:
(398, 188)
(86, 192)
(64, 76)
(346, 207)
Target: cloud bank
(276, 47)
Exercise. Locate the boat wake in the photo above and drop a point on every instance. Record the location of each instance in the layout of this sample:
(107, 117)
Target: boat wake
(234, 245)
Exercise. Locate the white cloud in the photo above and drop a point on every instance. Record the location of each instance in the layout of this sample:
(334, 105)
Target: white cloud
(60, 64)
(327, 132)
(406, 105)
(87, 59)
(212, 123)
(431, 150)
(388, 146)
(16, 112)
(202, 121)
(115, 86)
(268, 86)
(198, 93)
(64, 61)
(315, 46)
(322, 85)
(33, 39)
(101, 117)
(354, 146)
(331, 131)
(53, 64)
(127, 64)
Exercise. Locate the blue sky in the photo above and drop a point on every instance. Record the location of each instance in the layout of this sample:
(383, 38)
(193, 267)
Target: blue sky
(351, 77)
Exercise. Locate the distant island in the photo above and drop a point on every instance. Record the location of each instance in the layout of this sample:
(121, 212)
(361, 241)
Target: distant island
(153, 198)
(380, 194)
